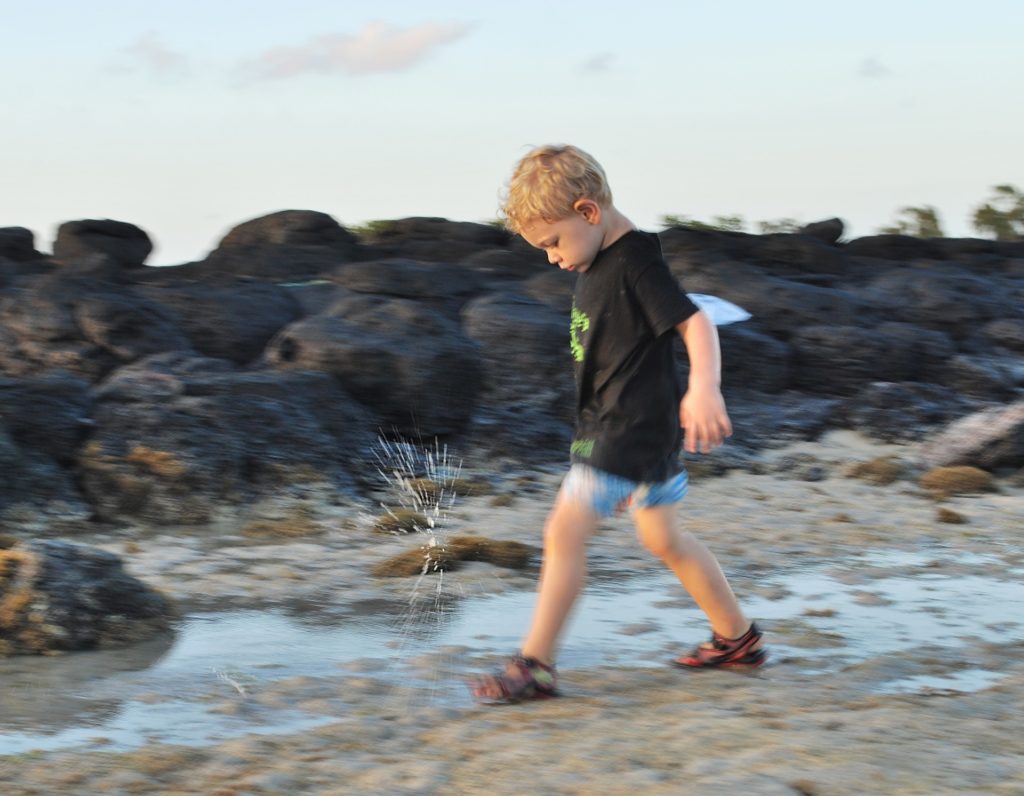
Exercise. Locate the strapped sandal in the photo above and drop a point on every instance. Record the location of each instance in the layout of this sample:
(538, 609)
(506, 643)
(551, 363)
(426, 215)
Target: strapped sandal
(523, 679)
(723, 652)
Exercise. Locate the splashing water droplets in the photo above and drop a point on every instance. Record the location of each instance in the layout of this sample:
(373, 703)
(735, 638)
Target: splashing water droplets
(423, 480)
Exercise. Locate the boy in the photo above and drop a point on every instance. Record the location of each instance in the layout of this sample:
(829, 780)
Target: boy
(630, 413)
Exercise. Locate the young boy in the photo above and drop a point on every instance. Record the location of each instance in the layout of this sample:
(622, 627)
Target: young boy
(630, 415)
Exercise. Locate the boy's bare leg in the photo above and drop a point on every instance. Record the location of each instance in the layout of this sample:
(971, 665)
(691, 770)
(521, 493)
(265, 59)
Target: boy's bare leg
(695, 566)
(562, 574)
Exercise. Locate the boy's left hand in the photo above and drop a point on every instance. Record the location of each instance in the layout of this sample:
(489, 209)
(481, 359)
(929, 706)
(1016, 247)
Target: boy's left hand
(703, 417)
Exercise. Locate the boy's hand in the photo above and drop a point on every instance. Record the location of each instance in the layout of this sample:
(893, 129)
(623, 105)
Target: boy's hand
(703, 417)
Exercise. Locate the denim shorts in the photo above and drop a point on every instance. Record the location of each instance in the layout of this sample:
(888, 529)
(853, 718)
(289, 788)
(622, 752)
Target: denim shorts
(607, 494)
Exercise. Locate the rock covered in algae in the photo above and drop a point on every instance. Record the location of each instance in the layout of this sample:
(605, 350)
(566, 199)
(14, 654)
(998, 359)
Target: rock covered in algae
(447, 555)
(946, 481)
(56, 596)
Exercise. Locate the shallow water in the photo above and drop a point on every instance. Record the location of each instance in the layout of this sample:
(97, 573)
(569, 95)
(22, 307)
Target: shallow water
(175, 692)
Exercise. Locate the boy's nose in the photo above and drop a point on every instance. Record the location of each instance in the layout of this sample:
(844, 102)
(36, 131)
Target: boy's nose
(553, 258)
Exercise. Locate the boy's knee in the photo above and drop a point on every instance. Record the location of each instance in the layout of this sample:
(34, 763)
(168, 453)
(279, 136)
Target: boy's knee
(662, 545)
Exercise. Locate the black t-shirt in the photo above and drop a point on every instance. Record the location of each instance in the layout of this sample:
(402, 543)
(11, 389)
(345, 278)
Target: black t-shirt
(625, 310)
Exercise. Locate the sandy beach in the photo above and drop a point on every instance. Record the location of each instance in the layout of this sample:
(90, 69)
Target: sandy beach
(895, 637)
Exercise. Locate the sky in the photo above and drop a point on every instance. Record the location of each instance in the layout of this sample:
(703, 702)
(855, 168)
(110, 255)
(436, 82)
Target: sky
(187, 117)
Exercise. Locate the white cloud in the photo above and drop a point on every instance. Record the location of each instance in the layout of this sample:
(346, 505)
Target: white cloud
(378, 47)
(148, 54)
(873, 68)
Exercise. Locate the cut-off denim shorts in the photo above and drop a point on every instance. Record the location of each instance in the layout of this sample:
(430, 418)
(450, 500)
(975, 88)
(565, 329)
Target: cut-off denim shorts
(607, 494)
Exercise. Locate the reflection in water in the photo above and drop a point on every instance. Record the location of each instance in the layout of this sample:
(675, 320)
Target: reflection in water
(156, 690)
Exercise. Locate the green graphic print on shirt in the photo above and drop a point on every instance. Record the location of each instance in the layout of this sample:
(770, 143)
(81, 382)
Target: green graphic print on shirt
(579, 323)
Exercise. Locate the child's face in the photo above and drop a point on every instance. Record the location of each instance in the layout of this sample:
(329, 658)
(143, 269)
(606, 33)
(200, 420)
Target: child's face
(571, 243)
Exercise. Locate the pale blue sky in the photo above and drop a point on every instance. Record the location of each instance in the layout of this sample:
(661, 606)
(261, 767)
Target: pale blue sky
(188, 117)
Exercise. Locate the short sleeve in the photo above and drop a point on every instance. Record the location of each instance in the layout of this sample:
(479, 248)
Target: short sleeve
(665, 304)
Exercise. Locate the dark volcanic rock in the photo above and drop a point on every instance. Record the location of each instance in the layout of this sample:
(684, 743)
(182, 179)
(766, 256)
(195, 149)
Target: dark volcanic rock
(290, 228)
(828, 231)
(952, 301)
(174, 447)
(233, 322)
(434, 239)
(59, 596)
(766, 421)
(80, 324)
(128, 245)
(1007, 333)
(442, 286)
(987, 377)
(34, 488)
(49, 414)
(780, 306)
(840, 360)
(529, 397)
(407, 362)
(753, 360)
(895, 247)
(282, 246)
(554, 287)
(501, 266)
(18, 244)
(525, 348)
(902, 412)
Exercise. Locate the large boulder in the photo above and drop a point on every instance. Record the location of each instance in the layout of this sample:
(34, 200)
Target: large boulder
(502, 266)
(902, 412)
(949, 300)
(441, 286)
(554, 287)
(233, 322)
(841, 360)
(125, 243)
(781, 306)
(754, 360)
(432, 239)
(411, 365)
(992, 439)
(48, 414)
(282, 247)
(290, 228)
(58, 597)
(181, 442)
(80, 324)
(525, 348)
(18, 244)
(34, 489)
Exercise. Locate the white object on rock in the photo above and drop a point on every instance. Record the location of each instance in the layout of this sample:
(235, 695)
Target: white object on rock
(720, 311)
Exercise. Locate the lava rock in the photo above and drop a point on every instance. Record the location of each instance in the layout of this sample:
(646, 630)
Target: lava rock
(56, 596)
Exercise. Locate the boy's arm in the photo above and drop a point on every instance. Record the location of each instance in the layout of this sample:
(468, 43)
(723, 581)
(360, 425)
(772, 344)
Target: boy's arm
(702, 412)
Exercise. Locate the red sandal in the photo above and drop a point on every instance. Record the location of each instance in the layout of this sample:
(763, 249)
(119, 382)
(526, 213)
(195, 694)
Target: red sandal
(523, 679)
(723, 652)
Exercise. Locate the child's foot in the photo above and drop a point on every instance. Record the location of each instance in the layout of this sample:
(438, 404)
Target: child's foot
(523, 678)
(747, 650)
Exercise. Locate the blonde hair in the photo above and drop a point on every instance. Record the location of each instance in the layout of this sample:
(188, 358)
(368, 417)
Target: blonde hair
(548, 181)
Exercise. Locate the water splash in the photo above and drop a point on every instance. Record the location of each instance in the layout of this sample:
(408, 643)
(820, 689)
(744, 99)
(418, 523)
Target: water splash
(423, 480)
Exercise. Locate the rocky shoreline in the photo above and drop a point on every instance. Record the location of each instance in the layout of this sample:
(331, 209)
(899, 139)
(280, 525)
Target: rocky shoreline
(218, 427)
(165, 395)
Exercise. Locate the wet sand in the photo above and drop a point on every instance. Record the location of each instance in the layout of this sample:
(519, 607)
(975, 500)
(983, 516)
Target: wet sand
(842, 709)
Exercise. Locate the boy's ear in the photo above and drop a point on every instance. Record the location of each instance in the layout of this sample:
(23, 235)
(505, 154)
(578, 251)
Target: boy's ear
(589, 209)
